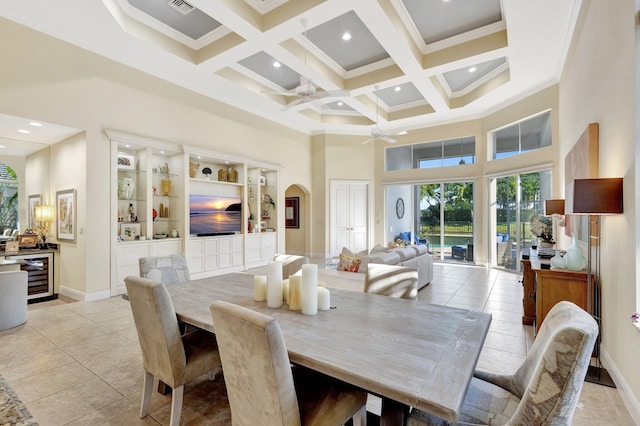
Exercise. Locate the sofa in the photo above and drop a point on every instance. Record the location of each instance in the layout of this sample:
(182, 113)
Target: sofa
(414, 256)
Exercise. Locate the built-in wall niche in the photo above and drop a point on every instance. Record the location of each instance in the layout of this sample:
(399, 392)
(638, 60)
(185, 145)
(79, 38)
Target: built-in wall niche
(215, 170)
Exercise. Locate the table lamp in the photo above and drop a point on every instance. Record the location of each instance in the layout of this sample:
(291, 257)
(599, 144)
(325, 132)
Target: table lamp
(555, 209)
(44, 214)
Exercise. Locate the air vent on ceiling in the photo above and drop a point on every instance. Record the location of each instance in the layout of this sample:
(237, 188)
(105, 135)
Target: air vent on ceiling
(181, 6)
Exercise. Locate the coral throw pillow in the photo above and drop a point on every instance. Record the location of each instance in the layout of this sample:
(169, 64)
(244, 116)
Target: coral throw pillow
(350, 261)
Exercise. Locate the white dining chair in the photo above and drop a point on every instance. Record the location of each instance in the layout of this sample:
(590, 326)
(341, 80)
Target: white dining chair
(167, 270)
(391, 280)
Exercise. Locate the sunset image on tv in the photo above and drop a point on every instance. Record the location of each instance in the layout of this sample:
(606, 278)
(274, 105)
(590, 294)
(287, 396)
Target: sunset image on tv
(211, 215)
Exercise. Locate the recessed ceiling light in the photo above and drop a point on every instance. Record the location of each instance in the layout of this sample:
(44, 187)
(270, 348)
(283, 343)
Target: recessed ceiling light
(2, 147)
(340, 103)
(35, 124)
(346, 36)
(397, 88)
(23, 131)
(473, 69)
(127, 146)
(161, 152)
(402, 133)
(276, 64)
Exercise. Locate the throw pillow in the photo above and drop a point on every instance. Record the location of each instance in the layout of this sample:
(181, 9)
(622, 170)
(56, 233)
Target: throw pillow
(378, 248)
(350, 261)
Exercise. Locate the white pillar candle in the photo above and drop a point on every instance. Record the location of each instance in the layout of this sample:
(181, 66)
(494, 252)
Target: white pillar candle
(309, 289)
(295, 282)
(324, 299)
(285, 291)
(260, 288)
(274, 284)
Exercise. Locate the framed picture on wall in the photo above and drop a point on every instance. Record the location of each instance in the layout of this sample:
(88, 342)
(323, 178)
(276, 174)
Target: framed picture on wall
(129, 231)
(292, 212)
(66, 215)
(34, 201)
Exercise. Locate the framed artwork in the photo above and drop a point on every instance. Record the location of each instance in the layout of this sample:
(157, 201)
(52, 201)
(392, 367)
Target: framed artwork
(581, 162)
(129, 231)
(34, 201)
(12, 247)
(66, 215)
(27, 240)
(126, 161)
(292, 212)
(263, 180)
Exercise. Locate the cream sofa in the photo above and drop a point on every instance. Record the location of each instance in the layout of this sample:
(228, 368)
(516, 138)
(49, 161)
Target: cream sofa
(415, 256)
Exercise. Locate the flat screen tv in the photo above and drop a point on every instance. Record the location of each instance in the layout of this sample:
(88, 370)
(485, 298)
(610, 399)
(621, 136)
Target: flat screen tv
(212, 215)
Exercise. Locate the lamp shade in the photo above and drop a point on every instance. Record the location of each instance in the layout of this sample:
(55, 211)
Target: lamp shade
(44, 213)
(597, 196)
(553, 207)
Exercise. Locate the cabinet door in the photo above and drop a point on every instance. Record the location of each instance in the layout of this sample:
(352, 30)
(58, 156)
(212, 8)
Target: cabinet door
(196, 256)
(349, 220)
(253, 249)
(165, 248)
(211, 253)
(238, 253)
(225, 253)
(127, 261)
(268, 246)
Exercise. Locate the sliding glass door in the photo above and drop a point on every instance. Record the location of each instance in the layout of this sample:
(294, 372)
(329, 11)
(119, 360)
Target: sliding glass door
(446, 219)
(516, 199)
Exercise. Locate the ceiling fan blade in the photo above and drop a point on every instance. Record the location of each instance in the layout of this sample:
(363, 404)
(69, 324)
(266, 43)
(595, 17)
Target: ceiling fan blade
(367, 141)
(388, 139)
(277, 92)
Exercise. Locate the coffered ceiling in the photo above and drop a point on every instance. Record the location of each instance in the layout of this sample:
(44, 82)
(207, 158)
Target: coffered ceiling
(323, 66)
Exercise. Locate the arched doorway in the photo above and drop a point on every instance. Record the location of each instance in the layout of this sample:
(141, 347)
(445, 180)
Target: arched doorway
(9, 200)
(297, 214)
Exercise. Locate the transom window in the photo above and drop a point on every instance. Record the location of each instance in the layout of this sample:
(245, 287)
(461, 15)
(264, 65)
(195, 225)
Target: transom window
(444, 153)
(526, 135)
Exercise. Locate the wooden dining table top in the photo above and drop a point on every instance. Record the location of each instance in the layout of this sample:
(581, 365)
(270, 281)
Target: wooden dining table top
(410, 352)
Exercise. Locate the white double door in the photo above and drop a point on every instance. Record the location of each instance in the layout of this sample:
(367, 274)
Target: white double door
(349, 206)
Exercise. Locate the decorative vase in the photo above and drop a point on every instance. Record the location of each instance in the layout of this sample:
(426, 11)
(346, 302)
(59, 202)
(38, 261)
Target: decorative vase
(574, 259)
(193, 168)
(557, 261)
(166, 186)
(222, 175)
(232, 175)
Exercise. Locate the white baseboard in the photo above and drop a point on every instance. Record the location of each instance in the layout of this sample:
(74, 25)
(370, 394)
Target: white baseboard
(627, 396)
(85, 297)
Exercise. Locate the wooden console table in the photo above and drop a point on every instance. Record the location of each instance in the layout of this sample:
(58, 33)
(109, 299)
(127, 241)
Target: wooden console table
(543, 288)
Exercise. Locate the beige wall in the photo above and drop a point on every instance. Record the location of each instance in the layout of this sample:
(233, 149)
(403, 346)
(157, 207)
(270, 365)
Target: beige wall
(597, 86)
(88, 92)
(296, 241)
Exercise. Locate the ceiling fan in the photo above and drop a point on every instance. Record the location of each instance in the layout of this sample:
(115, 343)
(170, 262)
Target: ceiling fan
(378, 133)
(307, 91)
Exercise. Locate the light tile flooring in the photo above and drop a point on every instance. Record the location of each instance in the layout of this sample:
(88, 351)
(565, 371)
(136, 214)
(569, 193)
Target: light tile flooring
(80, 364)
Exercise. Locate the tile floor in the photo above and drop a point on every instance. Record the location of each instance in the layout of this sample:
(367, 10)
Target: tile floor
(80, 364)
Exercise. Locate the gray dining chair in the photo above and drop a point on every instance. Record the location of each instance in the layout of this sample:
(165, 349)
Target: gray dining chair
(290, 263)
(545, 389)
(169, 356)
(391, 280)
(263, 388)
(167, 270)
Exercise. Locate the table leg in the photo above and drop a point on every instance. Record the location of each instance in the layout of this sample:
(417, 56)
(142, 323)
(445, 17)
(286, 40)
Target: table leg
(393, 413)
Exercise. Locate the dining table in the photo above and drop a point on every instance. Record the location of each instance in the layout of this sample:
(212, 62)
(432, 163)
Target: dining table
(408, 352)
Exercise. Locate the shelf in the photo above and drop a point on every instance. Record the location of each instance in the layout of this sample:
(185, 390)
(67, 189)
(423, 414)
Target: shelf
(221, 182)
(135, 199)
(165, 196)
(131, 171)
(167, 175)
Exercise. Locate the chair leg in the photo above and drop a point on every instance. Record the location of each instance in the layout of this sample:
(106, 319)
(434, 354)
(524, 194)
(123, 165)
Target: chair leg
(147, 388)
(176, 406)
(360, 417)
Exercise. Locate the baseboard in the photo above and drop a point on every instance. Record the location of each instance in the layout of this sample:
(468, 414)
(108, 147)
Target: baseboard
(626, 394)
(82, 296)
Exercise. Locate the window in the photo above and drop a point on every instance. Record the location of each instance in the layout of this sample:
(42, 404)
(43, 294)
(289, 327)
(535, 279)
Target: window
(445, 153)
(526, 135)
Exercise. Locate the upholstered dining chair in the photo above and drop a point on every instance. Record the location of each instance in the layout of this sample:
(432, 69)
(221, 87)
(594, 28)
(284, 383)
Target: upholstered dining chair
(290, 263)
(263, 388)
(391, 280)
(170, 357)
(165, 269)
(545, 389)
